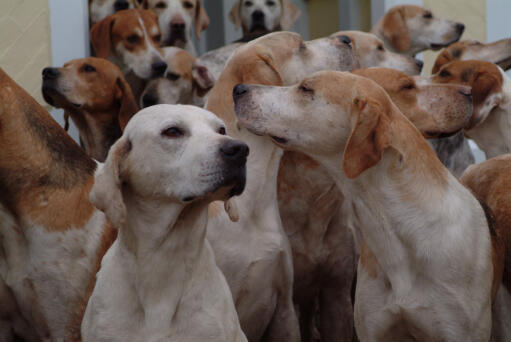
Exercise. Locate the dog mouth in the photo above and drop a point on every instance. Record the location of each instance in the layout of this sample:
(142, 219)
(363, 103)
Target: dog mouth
(438, 46)
(258, 28)
(55, 98)
(279, 140)
(177, 38)
(440, 135)
(505, 64)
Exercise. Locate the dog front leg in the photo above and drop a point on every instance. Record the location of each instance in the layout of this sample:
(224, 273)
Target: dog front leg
(284, 323)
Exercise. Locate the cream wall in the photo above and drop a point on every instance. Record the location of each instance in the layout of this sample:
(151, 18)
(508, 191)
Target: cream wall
(472, 13)
(25, 44)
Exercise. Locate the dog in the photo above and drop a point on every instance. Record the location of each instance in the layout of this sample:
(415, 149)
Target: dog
(321, 223)
(131, 40)
(155, 187)
(498, 52)
(260, 17)
(52, 238)
(254, 253)
(93, 92)
(417, 221)
(100, 9)
(370, 51)
(187, 80)
(176, 18)
(410, 29)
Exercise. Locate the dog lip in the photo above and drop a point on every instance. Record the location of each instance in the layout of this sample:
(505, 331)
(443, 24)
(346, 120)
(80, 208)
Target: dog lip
(505, 63)
(279, 139)
(439, 135)
(438, 46)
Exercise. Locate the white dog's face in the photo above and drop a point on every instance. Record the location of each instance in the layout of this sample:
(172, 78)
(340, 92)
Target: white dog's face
(263, 15)
(99, 9)
(429, 32)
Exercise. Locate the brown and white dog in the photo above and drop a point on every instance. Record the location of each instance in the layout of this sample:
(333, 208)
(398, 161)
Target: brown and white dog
(52, 238)
(370, 51)
(131, 40)
(100, 9)
(498, 52)
(425, 235)
(176, 18)
(254, 253)
(155, 187)
(410, 29)
(259, 17)
(93, 92)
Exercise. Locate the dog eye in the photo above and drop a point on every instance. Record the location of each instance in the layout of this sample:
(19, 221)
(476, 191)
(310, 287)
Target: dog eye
(88, 68)
(173, 76)
(133, 39)
(161, 5)
(221, 130)
(305, 89)
(380, 47)
(270, 3)
(187, 4)
(445, 73)
(157, 38)
(408, 86)
(173, 132)
(248, 3)
(427, 15)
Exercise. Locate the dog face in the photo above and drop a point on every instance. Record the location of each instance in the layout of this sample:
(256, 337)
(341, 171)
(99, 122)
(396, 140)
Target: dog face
(100, 9)
(411, 29)
(263, 15)
(498, 52)
(133, 38)
(370, 51)
(176, 18)
(486, 80)
(437, 110)
(184, 82)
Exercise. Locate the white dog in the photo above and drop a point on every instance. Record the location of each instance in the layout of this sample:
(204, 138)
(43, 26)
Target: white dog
(159, 280)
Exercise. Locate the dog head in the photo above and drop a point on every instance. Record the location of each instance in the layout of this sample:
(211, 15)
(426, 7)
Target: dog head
(263, 16)
(370, 51)
(173, 153)
(100, 9)
(498, 52)
(176, 18)
(186, 81)
(437, 110)
(411, 29)
(133, 38)
(486, 80)
(96, 94)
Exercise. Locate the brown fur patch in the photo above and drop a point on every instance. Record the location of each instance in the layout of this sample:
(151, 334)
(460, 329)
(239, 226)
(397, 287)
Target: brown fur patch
(368, 261)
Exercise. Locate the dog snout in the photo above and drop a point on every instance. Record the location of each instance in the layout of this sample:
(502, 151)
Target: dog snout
(419, 63)
(344, 39)
(50, 73)
(158, 68)
(460, 28)
(234, 151)
(258, 16)
(120, 5)
(177, 24)
(149, 99)
(239, 90)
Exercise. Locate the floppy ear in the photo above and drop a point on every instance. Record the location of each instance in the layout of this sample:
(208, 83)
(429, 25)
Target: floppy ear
(100, 36)
(235, 14)
(368, 138)
(144, 4)
(269, 74)
(443, 58)
(289, 15)
(201, 19)
(203, 78)
(485, 96)
(129, 106)
(395, 30)
(106, 194)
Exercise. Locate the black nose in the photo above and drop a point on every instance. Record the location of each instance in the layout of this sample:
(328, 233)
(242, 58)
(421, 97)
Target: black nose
(50, 73)
(177, 26)
(159, 68)
(419, 63)
(239, 90)
(460, 28)
(120, 5)
(258, 16)
(344, 39)
(233, 150)
(149, 99)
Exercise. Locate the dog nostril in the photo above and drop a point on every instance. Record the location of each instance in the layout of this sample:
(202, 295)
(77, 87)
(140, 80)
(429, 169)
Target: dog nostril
(120, 5)
(258, 16)
(233, 149)
(466, 91)
(177, 26)
(50, 73)
(149, 100)
(419, 63)
(460, 28)
(239, 90)
(344, 39)
(159, 68)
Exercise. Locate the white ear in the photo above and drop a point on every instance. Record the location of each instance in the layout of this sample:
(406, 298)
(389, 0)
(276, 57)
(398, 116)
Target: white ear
(235, 15)
(106, 194)
(289, 15)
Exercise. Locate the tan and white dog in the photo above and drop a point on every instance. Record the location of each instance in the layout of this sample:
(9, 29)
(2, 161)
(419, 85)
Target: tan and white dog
(131, 39)
(425, 271)
(259, 17)
(254, 253)
(410, 29)
(176, 18)
(159, 280)
(93, 92)
(100, 9)
(51, 237)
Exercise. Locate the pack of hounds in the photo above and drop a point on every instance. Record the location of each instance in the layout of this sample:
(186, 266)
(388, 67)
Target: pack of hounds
(274, 189)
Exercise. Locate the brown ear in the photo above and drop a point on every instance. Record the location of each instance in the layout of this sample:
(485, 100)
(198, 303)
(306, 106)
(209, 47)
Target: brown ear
(106, 194)
(235, 14)
(485, 96)
(100, 36)
(201, 19)
(269, 74)
(443, 58)
(203, 78)
(368, 138)
(129, 106)
(395, 30)
(289, 15)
